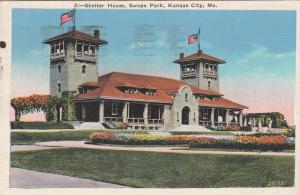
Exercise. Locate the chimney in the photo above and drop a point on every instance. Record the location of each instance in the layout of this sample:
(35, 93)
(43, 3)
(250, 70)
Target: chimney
(181, 55)
(97, 34)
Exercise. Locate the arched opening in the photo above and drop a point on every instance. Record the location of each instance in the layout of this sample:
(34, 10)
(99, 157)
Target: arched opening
(83, 69)
(185, 115)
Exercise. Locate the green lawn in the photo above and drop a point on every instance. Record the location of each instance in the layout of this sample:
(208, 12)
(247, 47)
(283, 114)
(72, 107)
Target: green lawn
(29, 136)
(32, 136)
(149, 169)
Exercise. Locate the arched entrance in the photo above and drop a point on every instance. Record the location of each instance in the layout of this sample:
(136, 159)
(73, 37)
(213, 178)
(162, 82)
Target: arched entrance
(185, 115)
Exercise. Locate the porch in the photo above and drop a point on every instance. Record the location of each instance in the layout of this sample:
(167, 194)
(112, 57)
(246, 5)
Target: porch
(137, 115)
(219, 117)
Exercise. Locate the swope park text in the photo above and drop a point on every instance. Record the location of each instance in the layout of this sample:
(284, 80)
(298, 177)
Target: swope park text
(145, 5)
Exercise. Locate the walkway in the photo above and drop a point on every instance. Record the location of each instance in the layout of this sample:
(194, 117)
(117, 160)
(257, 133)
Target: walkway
(163, 149)
(21, 178)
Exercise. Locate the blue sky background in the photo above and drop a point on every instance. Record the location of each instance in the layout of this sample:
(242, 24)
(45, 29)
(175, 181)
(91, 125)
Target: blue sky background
(258, 47)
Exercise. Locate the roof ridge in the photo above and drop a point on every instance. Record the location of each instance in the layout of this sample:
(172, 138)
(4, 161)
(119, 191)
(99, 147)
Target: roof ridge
(136, 74)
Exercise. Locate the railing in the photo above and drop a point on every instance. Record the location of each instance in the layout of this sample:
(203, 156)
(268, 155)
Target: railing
(84, 56)
(155, 121)
(204, 123)
(220, 124)
(234, 123)
(188, 73)
(57, 55)
(136, 120)
(210, 73)
(113, 119)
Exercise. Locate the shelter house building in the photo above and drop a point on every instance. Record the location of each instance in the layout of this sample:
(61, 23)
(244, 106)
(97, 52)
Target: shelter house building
(142, 101)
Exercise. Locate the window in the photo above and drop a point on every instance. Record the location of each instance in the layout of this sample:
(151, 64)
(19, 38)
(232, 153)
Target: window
(79, 47)
(186, 97)
(131, 90)
(114, 109)
(86, 49)
(52, 49)
(150, 92)
(57, 48)
(92, 50)
(208, 84)
(59, 68)
(61, 47)
(83, 69)
(58, 87)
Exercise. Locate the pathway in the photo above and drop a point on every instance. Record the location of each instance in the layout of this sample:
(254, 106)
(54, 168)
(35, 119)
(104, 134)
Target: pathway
(163, 149)
(22, 178)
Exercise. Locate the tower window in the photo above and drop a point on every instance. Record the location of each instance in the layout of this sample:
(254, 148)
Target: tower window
(57, 48)
(208, 84)
(83, 69)
(79, 47)
(58, 87)
(92, 50)
(59, 68)
(86, 49)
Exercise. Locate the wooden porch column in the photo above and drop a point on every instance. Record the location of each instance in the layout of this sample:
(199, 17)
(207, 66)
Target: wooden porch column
(241, 118)
(212, 117)
(227, 117)
(166, 114)
(145, 114)
(101, 112)
(83, 113)
(124, 112)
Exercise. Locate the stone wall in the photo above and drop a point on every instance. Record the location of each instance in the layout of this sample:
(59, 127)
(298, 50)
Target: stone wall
(180, 101)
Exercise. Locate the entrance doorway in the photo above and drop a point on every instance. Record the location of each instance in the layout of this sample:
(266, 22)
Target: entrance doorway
(185, 115)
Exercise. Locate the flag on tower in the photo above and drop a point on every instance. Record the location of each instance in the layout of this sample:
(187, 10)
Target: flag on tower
(193, 38)
(66, 17)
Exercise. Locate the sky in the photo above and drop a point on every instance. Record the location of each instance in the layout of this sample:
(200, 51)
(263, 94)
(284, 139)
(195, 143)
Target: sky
(258, 47)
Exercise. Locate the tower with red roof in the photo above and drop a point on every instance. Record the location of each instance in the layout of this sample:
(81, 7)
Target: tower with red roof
(73, 60)
(200, 70)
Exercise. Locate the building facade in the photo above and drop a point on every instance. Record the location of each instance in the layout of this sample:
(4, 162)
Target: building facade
(142, 101)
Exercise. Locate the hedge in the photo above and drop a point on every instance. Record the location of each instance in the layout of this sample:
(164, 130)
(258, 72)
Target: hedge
(40, 125)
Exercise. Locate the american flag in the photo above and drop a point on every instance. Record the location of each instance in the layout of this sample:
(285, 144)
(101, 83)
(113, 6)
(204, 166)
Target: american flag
(193, 38)
(66, 17)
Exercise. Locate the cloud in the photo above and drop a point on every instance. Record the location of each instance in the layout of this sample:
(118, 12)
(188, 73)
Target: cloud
(159, 40)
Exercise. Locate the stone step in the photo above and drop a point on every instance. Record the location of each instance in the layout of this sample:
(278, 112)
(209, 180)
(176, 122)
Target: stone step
(192, 128)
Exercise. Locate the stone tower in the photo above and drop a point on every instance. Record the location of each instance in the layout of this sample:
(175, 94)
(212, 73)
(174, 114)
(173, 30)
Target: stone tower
(73, 60)
(200, 70)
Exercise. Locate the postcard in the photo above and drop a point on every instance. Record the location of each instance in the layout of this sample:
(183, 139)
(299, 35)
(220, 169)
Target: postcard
(152, 97)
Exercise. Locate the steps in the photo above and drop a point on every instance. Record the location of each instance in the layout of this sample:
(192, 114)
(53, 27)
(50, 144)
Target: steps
(195, 128)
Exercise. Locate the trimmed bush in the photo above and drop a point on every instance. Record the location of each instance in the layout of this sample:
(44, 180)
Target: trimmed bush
(40, 125)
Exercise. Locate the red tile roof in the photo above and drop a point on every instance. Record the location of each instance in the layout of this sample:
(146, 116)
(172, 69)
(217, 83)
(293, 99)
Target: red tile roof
(75, 34)
(198, 57)
(222, 102)
(89, 84)
(165, 87)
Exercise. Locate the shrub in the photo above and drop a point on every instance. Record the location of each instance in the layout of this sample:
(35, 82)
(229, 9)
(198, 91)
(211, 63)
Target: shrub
(233, 127)
(290, 132)
(246, 128)
(40, 125)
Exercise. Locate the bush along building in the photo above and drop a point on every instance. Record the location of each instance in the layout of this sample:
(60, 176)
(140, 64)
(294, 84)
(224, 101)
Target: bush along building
(141, 101)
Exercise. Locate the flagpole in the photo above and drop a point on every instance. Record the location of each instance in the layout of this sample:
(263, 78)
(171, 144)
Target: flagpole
(74, 19)
(198, 40)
